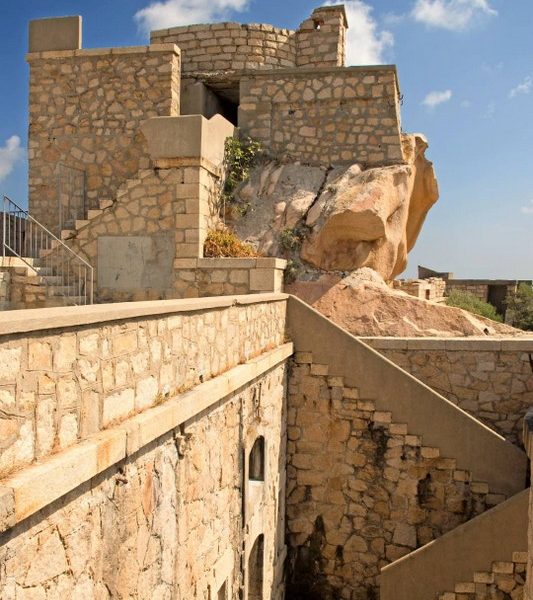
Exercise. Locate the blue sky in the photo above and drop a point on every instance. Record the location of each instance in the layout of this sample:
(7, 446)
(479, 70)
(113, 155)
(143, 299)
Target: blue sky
(466, 74)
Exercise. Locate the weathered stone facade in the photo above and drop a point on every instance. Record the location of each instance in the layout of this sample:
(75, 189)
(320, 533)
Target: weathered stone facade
(504, 580)
(57, 389)
(85, 110)
(216, 47)
(490, 379)
(325, 117)
(362, 491)
(166, 520)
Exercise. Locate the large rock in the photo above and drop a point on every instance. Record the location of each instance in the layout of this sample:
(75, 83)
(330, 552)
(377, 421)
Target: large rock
(363, 304)
(372, 218)
(345, 218)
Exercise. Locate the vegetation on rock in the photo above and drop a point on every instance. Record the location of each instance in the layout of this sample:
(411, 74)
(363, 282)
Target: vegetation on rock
(473, 304)
(225, 244)
(240, 156)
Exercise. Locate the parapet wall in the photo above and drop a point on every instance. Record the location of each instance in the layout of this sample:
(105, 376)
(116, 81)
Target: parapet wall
(491, 379)
(209, 48)
(151, 507)
(85, 110)
(325, 116)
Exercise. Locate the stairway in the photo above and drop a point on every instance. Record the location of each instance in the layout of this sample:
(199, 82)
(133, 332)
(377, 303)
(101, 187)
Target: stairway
(47, 273)
(393, 492)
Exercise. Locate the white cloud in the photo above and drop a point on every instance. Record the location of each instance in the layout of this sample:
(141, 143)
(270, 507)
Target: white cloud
(527, 210)
(366, 44)
(173, 13)
(435, 98)
(522, 88)
(455, 15)
(10, 154)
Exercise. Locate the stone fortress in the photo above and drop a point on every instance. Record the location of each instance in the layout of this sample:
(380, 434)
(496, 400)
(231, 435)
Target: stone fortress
(218, 438)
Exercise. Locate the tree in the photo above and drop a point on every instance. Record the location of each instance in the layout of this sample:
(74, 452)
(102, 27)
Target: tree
(520, 307)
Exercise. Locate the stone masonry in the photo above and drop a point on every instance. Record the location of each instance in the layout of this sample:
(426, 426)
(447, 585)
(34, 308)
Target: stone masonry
(362, 492)
(85, 110)
(325, 116)
(56, 389)
(490, 379)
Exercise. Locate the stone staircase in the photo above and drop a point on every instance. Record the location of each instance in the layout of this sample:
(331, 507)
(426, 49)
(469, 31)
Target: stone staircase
(45, 272)
(393, 491)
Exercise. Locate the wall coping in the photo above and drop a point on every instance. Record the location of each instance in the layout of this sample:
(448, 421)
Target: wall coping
(89, 52)
(221, 27)
(35, 487)
(482, 344)
(39, 319)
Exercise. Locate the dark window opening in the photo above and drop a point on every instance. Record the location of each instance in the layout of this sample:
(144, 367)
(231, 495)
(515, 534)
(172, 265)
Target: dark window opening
(255, 570)
(256, 460)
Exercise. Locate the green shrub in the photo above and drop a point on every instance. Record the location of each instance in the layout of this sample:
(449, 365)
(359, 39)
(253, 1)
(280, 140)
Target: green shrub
(291, 238)
(240, 156)
(471, 303)
(520, 307)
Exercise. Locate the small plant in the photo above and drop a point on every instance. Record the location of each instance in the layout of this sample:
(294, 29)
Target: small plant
(292, 238)
(240, 156)
(292, 270)
(473, 304)
(225, 244)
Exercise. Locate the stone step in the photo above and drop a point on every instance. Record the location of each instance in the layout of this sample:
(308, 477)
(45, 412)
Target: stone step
(93, 213)
(67, 234)
(62, 290)
(105, 204)
(81, 223)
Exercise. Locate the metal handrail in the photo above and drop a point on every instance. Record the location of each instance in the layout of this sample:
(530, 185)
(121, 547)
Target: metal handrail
(24, 237)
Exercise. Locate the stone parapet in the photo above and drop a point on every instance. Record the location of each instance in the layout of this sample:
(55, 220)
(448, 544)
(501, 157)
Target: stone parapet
(60, 386)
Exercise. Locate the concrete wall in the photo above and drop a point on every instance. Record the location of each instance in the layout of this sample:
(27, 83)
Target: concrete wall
(325, 116)
(152, 506)
(492, 379)
(85, 108)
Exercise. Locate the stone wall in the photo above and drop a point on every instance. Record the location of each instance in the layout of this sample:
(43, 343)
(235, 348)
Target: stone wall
(163, 517)
(58, 388)
(504, 580)
(362, 491)
(425, 289)
(230, 46)
(5, 289)
(325, 117)
(490, 379)
(209, 48)
(85, 108)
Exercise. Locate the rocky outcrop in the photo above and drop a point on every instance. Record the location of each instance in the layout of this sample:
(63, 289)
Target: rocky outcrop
(365, 305)
(343, 218)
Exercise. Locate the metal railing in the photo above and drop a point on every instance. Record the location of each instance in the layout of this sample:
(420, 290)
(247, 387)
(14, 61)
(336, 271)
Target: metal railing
(66, 274)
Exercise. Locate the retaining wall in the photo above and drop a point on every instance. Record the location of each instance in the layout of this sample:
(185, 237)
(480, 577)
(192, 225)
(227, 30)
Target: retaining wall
(147, 498)
(492, 379)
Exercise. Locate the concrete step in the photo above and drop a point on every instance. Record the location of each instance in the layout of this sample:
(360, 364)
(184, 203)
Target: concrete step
(66, 234)
(93, 213)
(81, 223)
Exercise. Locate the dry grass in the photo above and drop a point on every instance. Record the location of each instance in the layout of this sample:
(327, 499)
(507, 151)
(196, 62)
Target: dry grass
(225, 244)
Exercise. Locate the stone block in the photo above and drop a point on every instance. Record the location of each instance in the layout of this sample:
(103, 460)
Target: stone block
(60, 33)
(118, 406)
